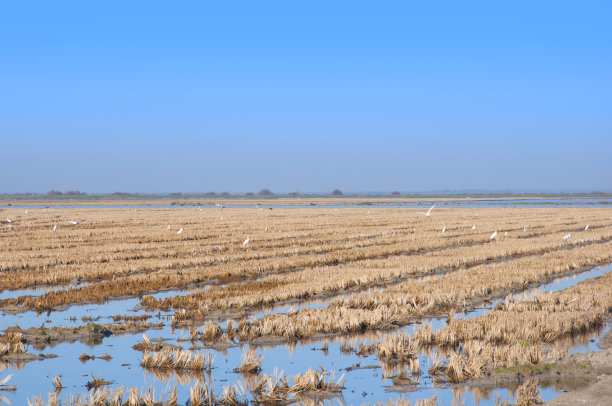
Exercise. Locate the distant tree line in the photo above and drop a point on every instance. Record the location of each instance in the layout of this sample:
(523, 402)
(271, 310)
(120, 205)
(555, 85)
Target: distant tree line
(68, 193)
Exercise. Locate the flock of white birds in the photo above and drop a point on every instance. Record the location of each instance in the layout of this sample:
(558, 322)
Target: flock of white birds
(248, 239)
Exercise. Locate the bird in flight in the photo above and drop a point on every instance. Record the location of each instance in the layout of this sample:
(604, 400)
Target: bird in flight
(246, 241)
(74, 223)
(428, 211)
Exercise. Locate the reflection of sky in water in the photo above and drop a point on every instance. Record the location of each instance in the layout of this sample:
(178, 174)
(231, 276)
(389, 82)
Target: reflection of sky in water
(371, 204)
(13, 294)
(362, 385)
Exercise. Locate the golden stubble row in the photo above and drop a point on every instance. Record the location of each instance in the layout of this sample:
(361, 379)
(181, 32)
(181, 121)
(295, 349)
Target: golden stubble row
(381, 272)
(105, 251)
(455, 291)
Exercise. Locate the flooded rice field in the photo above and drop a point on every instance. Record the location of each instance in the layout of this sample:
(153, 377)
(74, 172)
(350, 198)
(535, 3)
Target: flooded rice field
(348, 306)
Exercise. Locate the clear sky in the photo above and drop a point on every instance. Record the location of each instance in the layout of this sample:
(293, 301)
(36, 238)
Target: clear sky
(308, 96)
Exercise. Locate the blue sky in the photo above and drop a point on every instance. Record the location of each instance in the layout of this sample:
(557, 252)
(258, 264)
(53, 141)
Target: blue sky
(305, 96)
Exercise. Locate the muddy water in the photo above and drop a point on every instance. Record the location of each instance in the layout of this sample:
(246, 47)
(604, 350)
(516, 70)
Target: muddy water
(364, 380)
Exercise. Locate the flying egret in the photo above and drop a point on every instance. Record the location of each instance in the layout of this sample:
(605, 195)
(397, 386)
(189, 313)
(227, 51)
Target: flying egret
(180, 231)
(246, 241)
(567, 236)
(586, 228)
(443, 229)
(474, 227)
(493, 235)
(55, 228)
(74, 223)
(428, 211)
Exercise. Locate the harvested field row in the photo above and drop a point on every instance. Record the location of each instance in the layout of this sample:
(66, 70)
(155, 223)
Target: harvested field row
(307, 283)
(371, 310)
(190, 267)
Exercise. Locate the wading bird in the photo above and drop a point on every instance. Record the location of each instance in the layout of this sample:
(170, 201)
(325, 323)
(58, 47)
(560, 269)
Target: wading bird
(493, 235)
(8, 220)
(428, 211)
(443, 229)
(586, 228)
(55, 228)
(180, 231)
(74, 223)
(246, 241)
(474, 227)
(567, 236)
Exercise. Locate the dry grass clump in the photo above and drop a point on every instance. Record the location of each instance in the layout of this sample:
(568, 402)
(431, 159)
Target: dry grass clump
(528, 393)
(275, 388)
(250, 362)
(12, 343)
(199, 395)
(315, 381)
(432, 401)
(4, 384)
(210, 332)
(177, 359)
(401, 347)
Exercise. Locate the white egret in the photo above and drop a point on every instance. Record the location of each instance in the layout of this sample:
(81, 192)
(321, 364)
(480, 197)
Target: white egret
(524, 229)
(567, 236)
(74, 223)
(55, 228)
(168, 227)
(586, 228)
(493, 235)
(474, 227)
(266, 229)
(180, 231)
(506, 233)
(8, 220)
(443, 229)
(246, 241)
(428, 211)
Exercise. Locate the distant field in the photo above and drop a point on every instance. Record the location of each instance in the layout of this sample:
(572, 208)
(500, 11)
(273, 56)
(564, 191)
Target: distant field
(283, 200)
(318, 275)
